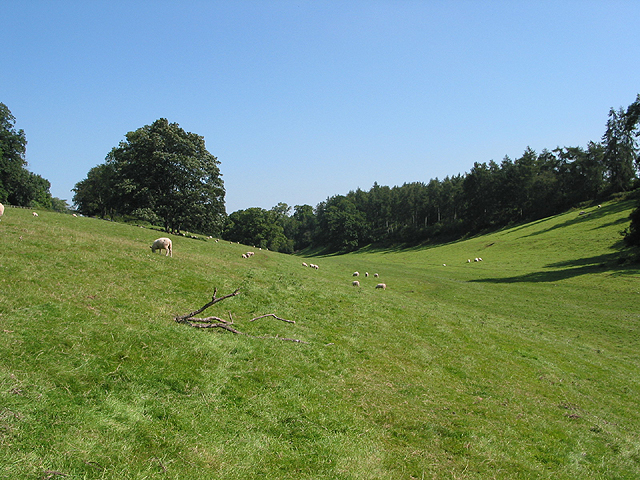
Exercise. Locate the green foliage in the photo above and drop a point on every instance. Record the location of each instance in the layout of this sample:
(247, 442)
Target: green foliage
(341, 225)
(259, 228)
(159, 171)
(18, 186)
(632, 234)
(95, 195)
(620, 152)
(520, 366)
(59, 205)
(489, 197)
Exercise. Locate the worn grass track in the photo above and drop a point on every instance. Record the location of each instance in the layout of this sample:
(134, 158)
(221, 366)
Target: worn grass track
(524, 365)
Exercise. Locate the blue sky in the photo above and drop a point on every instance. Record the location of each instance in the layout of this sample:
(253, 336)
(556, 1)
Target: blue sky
(302, 100)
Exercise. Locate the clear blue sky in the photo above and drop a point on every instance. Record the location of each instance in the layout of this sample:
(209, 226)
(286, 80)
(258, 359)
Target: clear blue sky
(302, 100)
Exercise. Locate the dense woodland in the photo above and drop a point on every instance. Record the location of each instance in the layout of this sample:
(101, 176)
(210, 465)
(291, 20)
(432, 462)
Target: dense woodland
(490, 196)
(165, 176)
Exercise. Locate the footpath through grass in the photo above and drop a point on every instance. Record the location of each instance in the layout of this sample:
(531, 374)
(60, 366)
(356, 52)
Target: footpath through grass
(524, 365)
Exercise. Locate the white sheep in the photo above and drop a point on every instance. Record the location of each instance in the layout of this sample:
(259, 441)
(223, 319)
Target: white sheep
(316, 266)
(356, 283)
(375, 275)
(383, 286)
(356, 274)
(1, 209)
(304, 264)
(366, 274)
(162, 244)
(35, 214)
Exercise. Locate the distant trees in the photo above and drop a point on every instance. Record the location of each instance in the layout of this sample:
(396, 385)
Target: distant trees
(260, 228)
(18, 186)
(160, 173)
(491, 195)
(629, 125)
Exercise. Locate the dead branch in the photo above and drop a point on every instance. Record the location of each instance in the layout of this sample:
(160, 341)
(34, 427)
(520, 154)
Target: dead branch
(217, 322)
(213, 301)
(272, 315)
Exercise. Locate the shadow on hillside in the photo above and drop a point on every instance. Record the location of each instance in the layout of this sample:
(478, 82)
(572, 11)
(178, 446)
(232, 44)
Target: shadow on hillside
(610, 262)
(591, 214)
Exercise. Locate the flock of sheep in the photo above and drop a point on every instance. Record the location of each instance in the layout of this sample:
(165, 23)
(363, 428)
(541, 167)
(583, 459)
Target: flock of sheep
(165, 244)
(356, 283)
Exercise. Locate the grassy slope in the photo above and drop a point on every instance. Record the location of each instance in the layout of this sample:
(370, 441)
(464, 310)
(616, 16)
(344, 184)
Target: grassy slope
(524, 365)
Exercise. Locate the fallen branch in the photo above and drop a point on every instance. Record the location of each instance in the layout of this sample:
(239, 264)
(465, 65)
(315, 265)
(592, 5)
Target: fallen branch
(272, 315)
(213, 301)
(217, 322)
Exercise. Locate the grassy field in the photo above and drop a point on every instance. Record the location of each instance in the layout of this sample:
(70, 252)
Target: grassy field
(525, 365)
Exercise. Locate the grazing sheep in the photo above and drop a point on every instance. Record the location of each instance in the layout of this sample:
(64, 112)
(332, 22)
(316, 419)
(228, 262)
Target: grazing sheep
(1, 209)
(444, 264)
(356, 283)
(382, 286)
(304, 264)
(356, 274)
(376, 275)
(476, 260)
(479, 259)
(316, 266)
(162, 244)
(366, 274)
(35, 214)
(468, 260)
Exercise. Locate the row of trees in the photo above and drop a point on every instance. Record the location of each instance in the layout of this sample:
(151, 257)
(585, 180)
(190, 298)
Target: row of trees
(19, 186)
(164, 175)
(491, 195)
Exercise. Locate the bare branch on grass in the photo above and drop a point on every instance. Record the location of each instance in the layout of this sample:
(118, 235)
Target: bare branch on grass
(217, 322)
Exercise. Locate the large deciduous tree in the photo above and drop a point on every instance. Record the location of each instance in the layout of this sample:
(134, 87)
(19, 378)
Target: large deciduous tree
(160, 172)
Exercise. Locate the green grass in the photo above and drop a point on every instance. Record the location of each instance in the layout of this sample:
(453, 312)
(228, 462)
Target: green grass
(525, 365)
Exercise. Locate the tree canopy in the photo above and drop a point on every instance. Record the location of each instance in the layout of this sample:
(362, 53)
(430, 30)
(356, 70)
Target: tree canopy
(160, 173)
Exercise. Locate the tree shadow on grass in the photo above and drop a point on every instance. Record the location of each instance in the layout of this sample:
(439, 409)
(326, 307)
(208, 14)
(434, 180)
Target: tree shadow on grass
(591, 214)
(613, 263)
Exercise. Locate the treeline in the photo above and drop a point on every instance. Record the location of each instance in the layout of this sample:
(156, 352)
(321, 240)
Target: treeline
(19, 186)
(490, 196)
(165, 175)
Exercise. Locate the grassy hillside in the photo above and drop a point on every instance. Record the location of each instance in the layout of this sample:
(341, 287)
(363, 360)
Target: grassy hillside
(524, 365)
